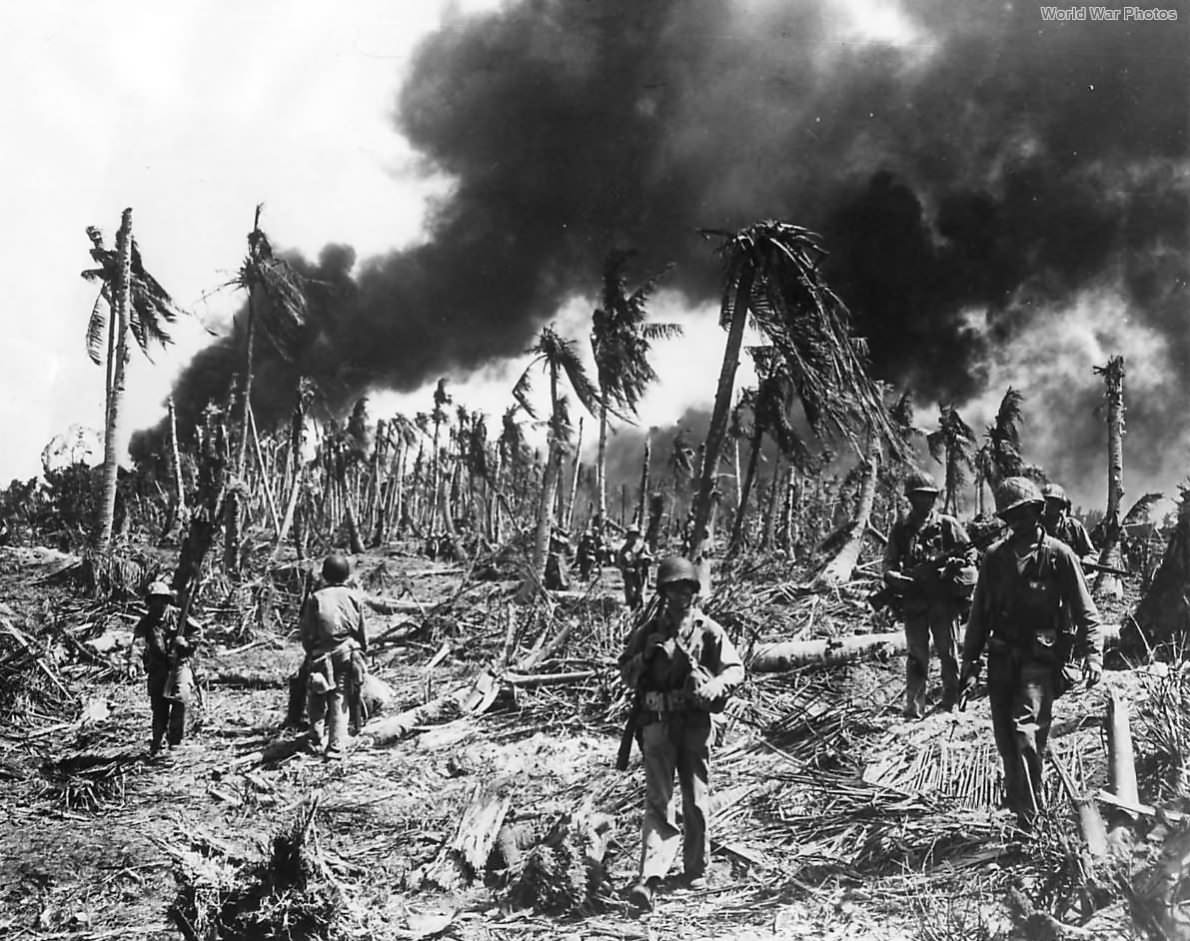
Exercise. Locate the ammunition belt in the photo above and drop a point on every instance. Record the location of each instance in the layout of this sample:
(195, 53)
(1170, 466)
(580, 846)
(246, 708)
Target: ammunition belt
(665, 702)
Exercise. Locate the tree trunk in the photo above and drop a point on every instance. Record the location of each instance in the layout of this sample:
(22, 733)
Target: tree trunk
(644, 480)
(1106, 584)
(741, 513)
(1162, 619)
(121, 300)
(718, 428)
(535, 578)
(601, 460)
(839, 570)
(770, 514)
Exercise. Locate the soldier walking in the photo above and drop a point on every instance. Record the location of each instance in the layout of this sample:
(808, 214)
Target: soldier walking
(335, 638)
(1062, 526)
(926, 561)
(633, 561)
(1032, 611)
(682, 665)
(167, 657)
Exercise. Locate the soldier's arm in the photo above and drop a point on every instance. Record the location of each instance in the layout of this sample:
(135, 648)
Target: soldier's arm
(1082, 542)
(730, 672)
(632, 661)
(892, 553)
(1083, 611)
(306, 623)
(978, 624)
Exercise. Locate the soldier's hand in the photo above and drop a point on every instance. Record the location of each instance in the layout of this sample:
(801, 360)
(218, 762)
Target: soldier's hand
(654, 642)
(1092, 672)
(709, 689)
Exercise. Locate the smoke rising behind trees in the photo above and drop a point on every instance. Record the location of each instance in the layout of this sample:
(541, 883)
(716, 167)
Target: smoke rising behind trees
(989, 185)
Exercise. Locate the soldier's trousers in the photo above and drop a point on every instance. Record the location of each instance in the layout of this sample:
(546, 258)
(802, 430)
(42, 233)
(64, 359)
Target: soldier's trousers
(937, 619)
(1021, 695)
(681, 743)
(633, 587)
(169, 715)
(327, 711)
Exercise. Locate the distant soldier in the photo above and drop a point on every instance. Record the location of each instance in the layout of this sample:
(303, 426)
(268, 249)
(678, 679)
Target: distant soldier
(928, 560)
(682, 665)
(5, 532)
(557, 567)
(335, 638)
(1033, 612)
(1062, 526)
(633, 560)
(588, 553)
(167, 659)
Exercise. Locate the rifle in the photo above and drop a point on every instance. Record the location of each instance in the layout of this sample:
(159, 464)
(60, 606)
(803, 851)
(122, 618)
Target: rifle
(628, 736)
(1100, 567)
(296, 710)
(899, 586)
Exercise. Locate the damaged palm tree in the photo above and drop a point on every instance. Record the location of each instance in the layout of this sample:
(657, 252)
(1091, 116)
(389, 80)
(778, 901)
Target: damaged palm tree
(1160, 622)
(771, 274)
(951, 445)
(1107, 583)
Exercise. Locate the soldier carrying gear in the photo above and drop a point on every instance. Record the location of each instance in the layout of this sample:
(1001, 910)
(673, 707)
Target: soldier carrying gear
(167, 659)
(1062, 526)
(929, 559)
(588, 553)
(1032, 611)
(633, 560)
(335, 637)
(682, 665)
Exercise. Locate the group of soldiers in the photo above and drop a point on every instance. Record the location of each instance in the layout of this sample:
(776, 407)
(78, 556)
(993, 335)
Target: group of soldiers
(1025, 604)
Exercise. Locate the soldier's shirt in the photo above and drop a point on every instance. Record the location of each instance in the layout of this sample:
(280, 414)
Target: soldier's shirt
(1073, 533)
(159, 634)
(696, 638)
(331, 616)
(909, 545)
(1004, 579)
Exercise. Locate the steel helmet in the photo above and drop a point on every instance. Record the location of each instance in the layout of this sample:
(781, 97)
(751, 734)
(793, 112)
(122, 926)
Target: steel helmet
(160, 589)
(1017, 491)
(335, 568)
(1055, 492)
(920, 482)
(675, 568)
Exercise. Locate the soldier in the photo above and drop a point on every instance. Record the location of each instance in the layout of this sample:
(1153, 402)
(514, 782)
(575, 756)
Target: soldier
(633, 561)
(557, 569)
(168, 669)
(682, 665)
(335, 638)
(929, 561)
(1031, 610)
(1062, 526)
(588, 553)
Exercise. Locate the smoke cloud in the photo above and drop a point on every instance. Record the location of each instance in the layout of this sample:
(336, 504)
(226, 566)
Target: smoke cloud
(981, 177)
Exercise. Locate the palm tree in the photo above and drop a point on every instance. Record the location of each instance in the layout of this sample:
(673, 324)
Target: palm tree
(771, 272)
(277, 304)
(135, 303)
(621, 339)
(951, 445)
(1004, 439)
(558, 358)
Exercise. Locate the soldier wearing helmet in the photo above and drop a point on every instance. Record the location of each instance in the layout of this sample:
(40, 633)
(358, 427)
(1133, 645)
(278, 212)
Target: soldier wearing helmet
(1061, 525)
(928, 560)
(167, 660)
(682, 665)
(1031, 611)
(633, 560)
(335, 638)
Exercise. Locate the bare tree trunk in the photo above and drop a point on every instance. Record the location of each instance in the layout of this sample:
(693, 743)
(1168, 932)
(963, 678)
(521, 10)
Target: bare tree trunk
(644, 480)
(839, 569)
(741, 514)
(787, 514)
(770, 515)
(718, 428)
(1106, 584)
(578, 450)
(601, 459)
(545, 507)
(121, 301)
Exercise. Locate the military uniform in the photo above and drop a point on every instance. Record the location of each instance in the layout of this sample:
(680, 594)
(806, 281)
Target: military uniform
(633, 561)
(660, 660)
(1025, 600)
(1072, 532)
(334, 635)
(169, 672)
(933, 605)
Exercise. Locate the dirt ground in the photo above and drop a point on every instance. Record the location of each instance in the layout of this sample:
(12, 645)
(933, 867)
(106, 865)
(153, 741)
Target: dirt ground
(92, 831)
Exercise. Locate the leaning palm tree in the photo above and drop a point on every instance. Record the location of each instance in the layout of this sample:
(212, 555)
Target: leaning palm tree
(621, 339)
(771, 272)
(1004, 440)
(558, 358)
(1113, 379)
(951, 445)
(130, 300)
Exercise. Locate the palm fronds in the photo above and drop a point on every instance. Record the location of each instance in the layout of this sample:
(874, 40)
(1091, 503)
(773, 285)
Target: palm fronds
(271, 279)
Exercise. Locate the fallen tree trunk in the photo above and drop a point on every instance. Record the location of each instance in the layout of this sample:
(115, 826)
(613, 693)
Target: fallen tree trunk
(393, 605)
(831, 651)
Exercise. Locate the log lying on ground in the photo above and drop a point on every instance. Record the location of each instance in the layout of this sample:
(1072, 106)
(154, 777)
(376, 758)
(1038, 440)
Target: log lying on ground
(831, 651)
(393, 605)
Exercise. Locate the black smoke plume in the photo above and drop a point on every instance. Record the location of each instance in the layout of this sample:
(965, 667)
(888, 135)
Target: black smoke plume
(968, 178)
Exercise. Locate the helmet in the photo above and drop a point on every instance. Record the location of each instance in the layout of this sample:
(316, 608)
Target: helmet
(160, 589)
(1017, 491)
(633, 530)
(1055, 492)
(674, 568)
(335, 568)
(920, 482)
